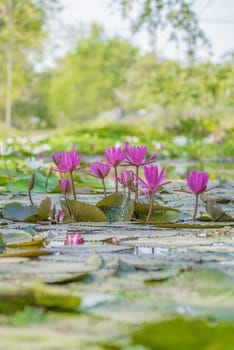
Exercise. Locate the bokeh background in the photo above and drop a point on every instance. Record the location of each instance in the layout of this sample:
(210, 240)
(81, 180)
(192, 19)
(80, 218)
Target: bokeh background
(96, 73)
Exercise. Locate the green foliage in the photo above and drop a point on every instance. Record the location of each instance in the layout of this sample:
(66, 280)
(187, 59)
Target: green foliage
(84, 82)
(22, 31)
(169, 83)
(177, 15)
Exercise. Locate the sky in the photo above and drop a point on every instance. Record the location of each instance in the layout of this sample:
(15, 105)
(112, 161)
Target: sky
(216, 19)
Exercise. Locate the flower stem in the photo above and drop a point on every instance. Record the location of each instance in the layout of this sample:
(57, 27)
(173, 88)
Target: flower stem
(73, 185)
(68, 206)
(196, 206)
(129, 194)
(30, 197)
(150, 207)
(104, 187)
(116, 179)
(137, 176)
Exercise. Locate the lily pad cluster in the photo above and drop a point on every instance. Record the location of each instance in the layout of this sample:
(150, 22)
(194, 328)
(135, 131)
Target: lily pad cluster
(136, 200)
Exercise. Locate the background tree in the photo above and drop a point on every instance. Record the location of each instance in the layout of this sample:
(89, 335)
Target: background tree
(84, 82)
(178, 16)
(22, 24)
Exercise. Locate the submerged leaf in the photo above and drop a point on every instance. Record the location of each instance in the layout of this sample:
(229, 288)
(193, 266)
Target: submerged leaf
(117, 207)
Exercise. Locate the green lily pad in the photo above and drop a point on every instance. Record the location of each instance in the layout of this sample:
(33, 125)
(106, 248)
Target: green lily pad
(216, 212)
(41, 295)
(81, 277)
(117, 207)
(36, 241)
(44, 209)
(25, 253)
(79, 211)
(160, 214)
(184, 334)
(18, 212)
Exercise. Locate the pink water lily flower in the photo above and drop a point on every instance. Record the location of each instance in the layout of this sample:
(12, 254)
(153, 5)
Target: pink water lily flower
(114, 157)
(65, 185)
(153, 180)
(197, 183)
(75, 239)
(69, 161)
(127, 179)
(100, 170)
(56, 156)
(136, 156)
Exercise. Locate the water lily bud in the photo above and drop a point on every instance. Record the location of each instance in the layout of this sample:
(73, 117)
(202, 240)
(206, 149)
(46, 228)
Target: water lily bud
(31, 182)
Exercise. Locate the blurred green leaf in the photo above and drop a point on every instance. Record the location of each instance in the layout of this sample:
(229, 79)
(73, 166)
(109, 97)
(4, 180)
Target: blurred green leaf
(184, 334)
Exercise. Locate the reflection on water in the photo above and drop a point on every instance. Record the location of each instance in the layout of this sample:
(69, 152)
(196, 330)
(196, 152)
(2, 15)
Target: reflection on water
(150, 250)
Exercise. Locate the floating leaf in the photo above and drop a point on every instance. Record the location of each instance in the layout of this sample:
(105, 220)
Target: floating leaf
(40, 295)
(159, 213)
(18, 212)
(95, 262)
(36, 241)
(79, 211)
(218, 199)
(44, 209)
(117, 207)
(16, 236)
(184, 334)
(81, 277)
(216, 212)
(123, 267)
(26, 253)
